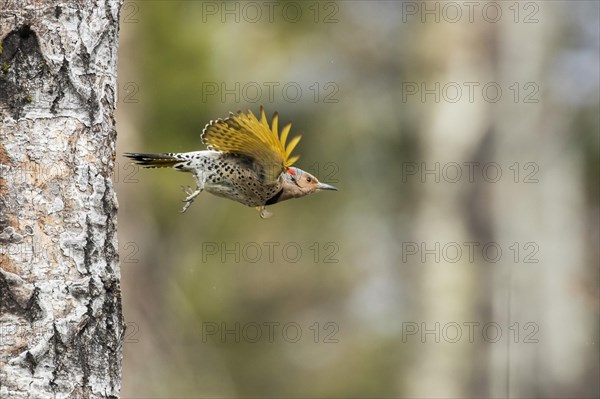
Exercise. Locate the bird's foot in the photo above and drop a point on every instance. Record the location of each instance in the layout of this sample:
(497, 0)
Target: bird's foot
(192, 194)
(264, 214)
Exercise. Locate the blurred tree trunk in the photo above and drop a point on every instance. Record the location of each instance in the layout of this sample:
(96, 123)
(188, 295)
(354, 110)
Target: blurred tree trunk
(452, 214)
(541, 214)
(533, 213)
(61, 325)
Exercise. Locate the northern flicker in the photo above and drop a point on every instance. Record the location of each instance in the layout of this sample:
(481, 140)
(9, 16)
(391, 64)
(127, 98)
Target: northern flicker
(247, 161)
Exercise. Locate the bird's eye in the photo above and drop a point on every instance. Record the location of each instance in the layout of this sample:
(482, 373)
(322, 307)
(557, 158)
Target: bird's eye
(308, 179)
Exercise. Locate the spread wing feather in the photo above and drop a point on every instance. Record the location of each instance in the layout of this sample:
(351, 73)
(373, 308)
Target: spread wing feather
(245, 134)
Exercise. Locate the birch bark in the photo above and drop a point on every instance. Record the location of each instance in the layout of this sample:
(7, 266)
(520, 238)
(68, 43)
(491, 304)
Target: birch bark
(61, 325)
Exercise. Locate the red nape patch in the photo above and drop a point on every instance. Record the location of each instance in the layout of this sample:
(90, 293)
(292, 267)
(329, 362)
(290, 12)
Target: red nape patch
(291, 171)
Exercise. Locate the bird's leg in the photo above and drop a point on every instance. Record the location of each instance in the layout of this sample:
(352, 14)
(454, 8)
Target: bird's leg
(191, 193)
(264, 214)
(190, 198)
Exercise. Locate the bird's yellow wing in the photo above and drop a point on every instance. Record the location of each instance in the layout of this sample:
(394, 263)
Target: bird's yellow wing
(245, 134)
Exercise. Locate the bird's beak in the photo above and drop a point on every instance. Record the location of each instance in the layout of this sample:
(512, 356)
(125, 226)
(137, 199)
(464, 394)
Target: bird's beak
(323, 186)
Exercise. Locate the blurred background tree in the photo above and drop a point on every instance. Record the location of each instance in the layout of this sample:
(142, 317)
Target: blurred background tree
(387, 89)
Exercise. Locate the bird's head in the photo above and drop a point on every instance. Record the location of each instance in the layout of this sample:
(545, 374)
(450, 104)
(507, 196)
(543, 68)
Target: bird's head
(298, 183)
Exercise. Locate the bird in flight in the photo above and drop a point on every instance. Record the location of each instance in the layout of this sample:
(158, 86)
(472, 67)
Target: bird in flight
(247, 161)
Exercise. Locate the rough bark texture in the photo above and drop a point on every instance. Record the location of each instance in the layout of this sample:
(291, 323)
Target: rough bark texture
(61, 325)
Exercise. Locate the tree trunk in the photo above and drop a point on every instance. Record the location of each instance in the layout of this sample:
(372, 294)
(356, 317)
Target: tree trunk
(441, 367)
(61, 325)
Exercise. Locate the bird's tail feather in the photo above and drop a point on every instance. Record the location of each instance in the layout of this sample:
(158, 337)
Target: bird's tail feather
(164, 160)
